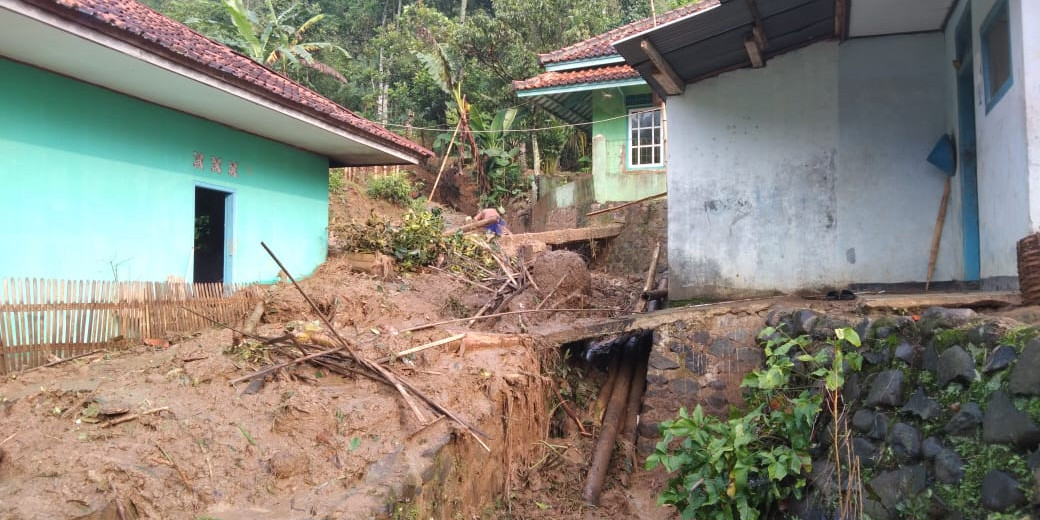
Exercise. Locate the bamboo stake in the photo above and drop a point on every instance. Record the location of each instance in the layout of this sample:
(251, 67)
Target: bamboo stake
(651, 272)
(444, 162)
(625, 205)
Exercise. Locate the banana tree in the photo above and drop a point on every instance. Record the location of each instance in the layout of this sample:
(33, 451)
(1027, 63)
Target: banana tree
(271, 40)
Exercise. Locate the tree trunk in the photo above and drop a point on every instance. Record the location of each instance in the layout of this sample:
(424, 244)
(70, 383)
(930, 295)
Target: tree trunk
(462, 12)
(536, 155)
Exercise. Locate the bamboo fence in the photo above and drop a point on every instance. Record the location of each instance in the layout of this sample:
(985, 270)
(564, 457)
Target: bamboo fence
(40, 318)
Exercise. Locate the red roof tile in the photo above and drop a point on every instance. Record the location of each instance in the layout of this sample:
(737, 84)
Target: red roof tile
(572, 77)
(602, 44)
(136, 24)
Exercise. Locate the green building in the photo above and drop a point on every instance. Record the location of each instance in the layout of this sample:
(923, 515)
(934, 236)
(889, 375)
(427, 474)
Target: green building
(589, 82)
(133, 148)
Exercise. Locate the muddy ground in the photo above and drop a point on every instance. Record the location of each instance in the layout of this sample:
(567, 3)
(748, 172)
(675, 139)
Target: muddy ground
(193, 445)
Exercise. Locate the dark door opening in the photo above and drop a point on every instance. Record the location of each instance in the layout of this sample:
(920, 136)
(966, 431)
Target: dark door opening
(211, 230)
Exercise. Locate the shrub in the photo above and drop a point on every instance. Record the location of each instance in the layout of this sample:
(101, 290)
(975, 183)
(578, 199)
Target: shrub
(744, 466)
(336, 181)
(394, 187)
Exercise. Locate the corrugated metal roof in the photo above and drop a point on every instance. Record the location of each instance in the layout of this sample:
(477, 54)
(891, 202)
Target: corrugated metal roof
(709, 42)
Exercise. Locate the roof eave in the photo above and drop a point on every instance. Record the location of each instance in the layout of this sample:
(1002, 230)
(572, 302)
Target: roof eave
(109, 39)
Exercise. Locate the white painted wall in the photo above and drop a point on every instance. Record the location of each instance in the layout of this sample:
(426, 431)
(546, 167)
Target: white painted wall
(752, 172)
(1030, 58)
(810, 172)
(891, 113)
(1004, 195)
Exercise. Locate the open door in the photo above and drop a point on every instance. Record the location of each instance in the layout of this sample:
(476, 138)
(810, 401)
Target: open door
(967, 168)
(212, 251)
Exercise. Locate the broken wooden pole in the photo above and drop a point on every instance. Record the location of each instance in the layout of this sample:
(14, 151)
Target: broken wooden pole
(651, 272)
(635, 400)
(471, 226)
(608, 435)
(600, 407)
(625, 205)
(654, 294)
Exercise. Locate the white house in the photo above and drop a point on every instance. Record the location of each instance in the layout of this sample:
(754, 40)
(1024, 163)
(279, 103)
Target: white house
(799, 130)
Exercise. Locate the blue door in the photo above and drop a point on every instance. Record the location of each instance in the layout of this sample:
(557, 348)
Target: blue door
(966, 149)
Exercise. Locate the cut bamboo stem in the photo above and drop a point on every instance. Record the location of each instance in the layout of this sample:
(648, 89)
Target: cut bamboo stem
(651, 272)
(420, 348)
(608, 434)
(625, 205)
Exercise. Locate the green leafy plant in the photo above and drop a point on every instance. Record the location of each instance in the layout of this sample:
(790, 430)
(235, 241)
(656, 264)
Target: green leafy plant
(336, 181)
(268, 38)
(394, 187)
(744, 466)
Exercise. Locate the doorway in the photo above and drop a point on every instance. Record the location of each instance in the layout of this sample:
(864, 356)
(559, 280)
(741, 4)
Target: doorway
(212, 251)
(966, 148)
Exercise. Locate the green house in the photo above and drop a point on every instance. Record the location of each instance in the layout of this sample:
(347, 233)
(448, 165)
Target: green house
(589, 83)
(133, 148)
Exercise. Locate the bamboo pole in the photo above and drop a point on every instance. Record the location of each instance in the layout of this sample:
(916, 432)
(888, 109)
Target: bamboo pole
(625, 205)
(607, 436)
(444, 162)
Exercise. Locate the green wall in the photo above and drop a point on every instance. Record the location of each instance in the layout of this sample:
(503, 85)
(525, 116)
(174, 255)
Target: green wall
(614, 180)
(97, 185)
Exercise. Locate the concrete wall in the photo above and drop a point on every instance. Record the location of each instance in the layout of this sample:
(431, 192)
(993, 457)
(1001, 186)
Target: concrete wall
(96, 185)
(614, 180)
(810, 172)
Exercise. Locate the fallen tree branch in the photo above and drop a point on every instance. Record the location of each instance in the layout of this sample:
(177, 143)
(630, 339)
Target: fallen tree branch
(279, 366)
(551, 293)
(389, 376)
(420, 348)
(60, 361)
(133, 416)
(525, 311)
(184, 478)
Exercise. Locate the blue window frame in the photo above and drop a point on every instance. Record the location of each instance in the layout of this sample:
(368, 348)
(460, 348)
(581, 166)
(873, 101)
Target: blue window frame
(995, 35)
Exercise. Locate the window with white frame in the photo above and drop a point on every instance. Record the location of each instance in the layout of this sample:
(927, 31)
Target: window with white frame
(645, 138)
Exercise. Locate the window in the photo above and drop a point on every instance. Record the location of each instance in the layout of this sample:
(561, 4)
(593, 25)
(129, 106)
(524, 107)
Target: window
(645, 141)
(996, 53)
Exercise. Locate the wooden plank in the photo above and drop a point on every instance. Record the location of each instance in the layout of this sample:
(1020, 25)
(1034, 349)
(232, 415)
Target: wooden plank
(561, 236)
(665, 76)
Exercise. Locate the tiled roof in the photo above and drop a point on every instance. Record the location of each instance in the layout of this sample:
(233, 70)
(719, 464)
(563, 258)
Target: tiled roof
(602, 44)
(572, 77)
(137, 25)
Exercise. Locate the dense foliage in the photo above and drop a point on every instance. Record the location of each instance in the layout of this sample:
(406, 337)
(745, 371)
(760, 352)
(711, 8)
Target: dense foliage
(368, 55)
(744, 467)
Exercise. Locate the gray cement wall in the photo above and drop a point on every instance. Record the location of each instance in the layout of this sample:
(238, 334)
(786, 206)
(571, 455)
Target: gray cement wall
(810, 172)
